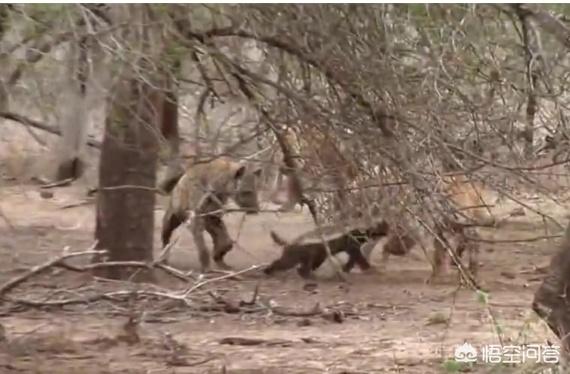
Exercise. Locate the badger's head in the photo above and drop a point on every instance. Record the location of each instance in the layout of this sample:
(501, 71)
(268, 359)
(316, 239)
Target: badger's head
(378, 230)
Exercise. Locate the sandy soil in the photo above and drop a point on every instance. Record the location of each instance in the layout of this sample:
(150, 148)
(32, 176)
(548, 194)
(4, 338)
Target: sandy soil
(385, 322)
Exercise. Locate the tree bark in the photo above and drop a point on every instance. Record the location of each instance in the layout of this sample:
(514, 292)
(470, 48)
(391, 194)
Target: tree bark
(552, 300)
(532, 57)
(169, 130)
(4, 27)
(130, 150)
(127, 177)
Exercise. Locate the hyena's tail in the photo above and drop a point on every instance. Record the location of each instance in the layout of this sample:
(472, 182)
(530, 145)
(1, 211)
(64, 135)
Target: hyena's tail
(277, 239)
(170, 222)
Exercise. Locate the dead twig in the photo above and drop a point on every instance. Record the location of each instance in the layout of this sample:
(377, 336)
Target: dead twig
(184, 363)
(226, 276)
(76, 205)
(237, 340)
(287, 312)
(158, 264)
(6, 287)
(253, 300)
(60, 183)
(112, 296)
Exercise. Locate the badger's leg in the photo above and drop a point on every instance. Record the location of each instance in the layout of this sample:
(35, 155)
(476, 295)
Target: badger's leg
(355, 256)
(317, 259)
(307, 265)
(197, 227)
(288, 260)
(223, 243)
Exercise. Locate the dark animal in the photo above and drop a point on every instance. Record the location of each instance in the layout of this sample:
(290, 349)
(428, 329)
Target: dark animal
(312, 253)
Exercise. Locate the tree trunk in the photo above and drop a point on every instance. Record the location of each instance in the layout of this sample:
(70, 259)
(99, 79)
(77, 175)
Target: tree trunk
(4, 27)
(169, 130)
(130, 150)
(73, 116)
(127, 177)
(532, 57)
(552, 300)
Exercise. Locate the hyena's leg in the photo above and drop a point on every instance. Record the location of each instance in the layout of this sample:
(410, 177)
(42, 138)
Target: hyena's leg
(340, 199)
(197, 227)
(441, 259)
(170, 222)
(472, 246)
(398, 244)
(277, 186)
(223, 243)
(367, 249)
(293, 195)
(350, 263)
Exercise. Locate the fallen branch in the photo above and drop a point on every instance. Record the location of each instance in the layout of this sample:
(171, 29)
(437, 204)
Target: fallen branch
(137, 264)
(236, 340)
(185, 363)
(158, 264)
(112, 296)
(60, 183)
(226, 276)
(78, 204)
(286, 312)
(6, 287)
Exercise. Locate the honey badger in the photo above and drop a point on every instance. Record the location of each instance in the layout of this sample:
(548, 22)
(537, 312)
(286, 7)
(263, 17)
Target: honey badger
(310, 253)
(204, 188)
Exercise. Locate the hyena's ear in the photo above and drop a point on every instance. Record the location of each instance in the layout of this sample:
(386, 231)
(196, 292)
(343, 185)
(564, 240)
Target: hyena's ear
(258, 172)
(240, 172)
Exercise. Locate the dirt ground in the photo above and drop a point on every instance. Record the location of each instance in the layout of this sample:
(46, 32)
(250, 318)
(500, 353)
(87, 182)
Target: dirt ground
(384, 322)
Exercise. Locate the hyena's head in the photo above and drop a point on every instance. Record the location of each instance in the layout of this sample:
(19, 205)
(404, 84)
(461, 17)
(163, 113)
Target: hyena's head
(247, 185)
